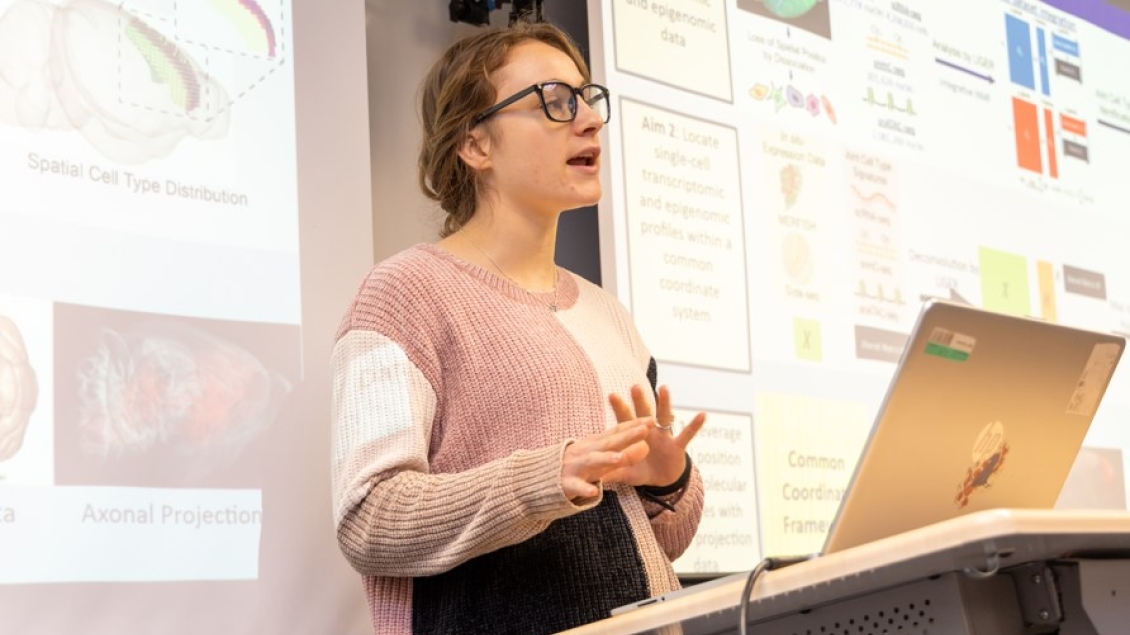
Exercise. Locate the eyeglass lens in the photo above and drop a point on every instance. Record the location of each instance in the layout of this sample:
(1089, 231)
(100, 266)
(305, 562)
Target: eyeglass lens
(561, 104)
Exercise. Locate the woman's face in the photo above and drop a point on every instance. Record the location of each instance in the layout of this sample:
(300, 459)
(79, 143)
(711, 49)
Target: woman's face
(534, 164)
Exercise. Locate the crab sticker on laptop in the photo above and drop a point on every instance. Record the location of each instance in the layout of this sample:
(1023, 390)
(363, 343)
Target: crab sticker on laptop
(989, 452)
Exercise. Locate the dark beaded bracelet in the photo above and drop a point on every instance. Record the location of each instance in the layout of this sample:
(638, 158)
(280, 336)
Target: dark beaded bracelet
(679, 483)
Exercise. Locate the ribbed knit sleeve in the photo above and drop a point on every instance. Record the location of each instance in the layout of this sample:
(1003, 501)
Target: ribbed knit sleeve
(414, 524)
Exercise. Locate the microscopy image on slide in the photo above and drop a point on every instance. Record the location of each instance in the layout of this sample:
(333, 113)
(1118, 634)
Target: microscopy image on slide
(809, 15)
(19, 389)
(156, 401)
(135, 78)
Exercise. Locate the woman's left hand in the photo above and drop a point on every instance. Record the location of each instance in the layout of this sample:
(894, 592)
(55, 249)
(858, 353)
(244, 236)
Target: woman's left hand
(666, 459)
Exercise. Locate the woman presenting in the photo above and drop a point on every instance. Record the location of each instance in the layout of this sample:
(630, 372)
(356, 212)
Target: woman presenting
(504, 461)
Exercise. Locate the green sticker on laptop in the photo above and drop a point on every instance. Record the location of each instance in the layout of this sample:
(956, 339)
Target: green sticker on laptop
(947, 344)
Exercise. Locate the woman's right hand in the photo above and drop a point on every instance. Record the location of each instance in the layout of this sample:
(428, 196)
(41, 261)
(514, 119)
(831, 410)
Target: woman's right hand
(590, 460)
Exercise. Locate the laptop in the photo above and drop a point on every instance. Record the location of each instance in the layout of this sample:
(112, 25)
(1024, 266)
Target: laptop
(985, 410)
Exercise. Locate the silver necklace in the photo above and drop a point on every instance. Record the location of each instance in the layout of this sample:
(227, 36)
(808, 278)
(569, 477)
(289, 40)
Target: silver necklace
(556, 275)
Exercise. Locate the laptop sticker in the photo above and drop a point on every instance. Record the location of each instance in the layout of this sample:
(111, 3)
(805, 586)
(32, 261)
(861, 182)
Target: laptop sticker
(989, 452)
(950, 345)
(1096, 374)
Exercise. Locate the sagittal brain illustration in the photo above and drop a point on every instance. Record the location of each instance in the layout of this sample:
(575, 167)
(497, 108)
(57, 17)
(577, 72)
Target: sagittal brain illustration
(94, 67)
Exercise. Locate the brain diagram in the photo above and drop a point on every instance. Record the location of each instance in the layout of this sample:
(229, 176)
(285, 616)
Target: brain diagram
(790, 8)
(177, 387)
(18, 389)
(133, 80)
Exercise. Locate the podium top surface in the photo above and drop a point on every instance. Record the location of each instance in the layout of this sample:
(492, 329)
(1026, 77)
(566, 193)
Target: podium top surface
(979, 541)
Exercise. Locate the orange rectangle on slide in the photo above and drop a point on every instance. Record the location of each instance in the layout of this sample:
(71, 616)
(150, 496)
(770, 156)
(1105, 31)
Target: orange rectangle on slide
(1045, 276)
(1049, 130)
(1027, 127)
(1073, 125)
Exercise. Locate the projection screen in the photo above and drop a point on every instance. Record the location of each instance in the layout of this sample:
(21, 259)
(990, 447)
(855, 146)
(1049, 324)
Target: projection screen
(789, 179)
(185, 215)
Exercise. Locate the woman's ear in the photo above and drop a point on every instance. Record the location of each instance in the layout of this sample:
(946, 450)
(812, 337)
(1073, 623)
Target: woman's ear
(475, 149)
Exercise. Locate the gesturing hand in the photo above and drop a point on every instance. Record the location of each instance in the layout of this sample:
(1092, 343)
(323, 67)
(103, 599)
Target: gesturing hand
(665, 459)
(598, 457)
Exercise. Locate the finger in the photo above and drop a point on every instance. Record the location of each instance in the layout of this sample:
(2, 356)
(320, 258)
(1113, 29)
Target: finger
(595, 466)
(621, 408)
(579, 488)
(589, 465)
(611, 440)
(639, 399)
(663, 406)
(691, 429)
(633, 455)
(664, 415)
(624, 435)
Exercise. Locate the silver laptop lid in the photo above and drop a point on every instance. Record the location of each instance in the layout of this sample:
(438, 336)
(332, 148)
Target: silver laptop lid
(985, 410)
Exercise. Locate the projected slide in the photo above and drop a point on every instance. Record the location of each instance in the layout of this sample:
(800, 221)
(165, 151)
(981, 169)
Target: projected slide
(687, 253)
(149, 284)
(785, 194)
(806, 449)
(724, 453)
(683, 43)
(143, 124)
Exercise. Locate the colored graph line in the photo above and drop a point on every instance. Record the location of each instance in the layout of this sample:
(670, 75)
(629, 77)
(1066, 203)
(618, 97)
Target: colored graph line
(877, 196)
(889, 104)
(890, 48)
(864, 291)
(968, 71)
(889, 253)
(1114, 126)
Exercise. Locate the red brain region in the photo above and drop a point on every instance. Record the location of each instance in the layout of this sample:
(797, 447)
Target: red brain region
(179, 387)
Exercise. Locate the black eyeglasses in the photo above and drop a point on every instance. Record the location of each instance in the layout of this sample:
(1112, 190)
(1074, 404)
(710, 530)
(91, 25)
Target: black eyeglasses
(558, 101)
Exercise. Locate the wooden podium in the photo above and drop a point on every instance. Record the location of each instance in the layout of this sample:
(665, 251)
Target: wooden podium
(997, 572)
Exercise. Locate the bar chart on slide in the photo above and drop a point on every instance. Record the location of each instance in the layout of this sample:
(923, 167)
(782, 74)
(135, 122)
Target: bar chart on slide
(1046, 70)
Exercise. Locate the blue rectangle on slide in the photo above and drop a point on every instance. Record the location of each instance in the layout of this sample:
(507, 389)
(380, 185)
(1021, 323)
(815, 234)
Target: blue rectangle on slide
(1064, 45)
(1044, 88)
(1020, 68)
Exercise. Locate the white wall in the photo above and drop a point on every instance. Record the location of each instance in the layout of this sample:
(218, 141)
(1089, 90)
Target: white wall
(405, 38)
